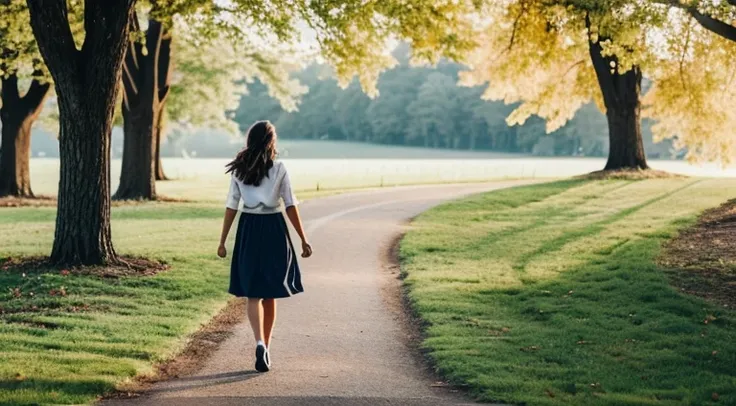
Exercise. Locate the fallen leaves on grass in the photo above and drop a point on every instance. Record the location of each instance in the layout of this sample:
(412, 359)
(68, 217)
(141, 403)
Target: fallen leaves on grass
(629, 174)
(126, 267)
(702, 258)
(38, 201)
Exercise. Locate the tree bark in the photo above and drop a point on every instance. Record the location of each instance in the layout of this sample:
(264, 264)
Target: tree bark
(86, 82)
(146, 88)
(622, 98)
(159, 168)
(18, 114)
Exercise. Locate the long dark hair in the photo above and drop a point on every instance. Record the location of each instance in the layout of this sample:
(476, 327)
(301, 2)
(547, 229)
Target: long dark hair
(252, 163)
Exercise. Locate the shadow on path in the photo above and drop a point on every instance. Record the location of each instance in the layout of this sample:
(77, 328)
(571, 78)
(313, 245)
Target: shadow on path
(299, 401)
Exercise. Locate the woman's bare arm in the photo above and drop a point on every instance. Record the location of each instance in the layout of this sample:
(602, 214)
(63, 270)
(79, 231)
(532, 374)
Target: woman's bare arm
(227, 223)
(292, 212)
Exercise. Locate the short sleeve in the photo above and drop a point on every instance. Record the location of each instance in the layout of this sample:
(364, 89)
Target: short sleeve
(286, 192)
(233, 196)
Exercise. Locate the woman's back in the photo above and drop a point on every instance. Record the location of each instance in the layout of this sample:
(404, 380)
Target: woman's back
(266, 197)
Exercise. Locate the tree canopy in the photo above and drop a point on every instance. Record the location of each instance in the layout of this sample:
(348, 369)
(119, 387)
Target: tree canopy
(398, 115)
(694, 89)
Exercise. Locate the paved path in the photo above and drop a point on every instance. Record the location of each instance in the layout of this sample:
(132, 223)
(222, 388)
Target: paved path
(343, 341)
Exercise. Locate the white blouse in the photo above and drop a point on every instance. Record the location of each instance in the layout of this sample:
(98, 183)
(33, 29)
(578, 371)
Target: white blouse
(266, 197)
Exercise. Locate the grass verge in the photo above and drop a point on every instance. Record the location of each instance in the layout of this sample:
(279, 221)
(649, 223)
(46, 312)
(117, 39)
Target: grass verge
(551, 294)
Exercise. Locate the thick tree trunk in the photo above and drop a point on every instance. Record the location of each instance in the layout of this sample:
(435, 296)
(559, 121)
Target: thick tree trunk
(146, 87)
(626, 150)
(622, 98)
(86, 83)
(18, 115)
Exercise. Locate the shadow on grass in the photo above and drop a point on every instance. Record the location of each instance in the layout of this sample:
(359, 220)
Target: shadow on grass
(609, 332)
(52, 391)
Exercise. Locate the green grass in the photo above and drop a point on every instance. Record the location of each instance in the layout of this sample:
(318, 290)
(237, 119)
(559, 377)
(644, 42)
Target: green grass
(550, 294)
(68, 350)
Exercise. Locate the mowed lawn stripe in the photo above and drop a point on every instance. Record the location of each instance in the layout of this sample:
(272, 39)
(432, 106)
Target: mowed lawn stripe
(591, 319)
(591, 229)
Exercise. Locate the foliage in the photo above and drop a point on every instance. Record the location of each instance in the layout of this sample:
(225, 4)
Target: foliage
(694, 91)
(354, 34)
(401, 116)
(211, 75)
(18, 49)
(550, 295)
(525, 59)
(536, 53)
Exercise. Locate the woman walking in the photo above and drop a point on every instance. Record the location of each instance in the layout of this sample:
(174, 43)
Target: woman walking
(264, 267)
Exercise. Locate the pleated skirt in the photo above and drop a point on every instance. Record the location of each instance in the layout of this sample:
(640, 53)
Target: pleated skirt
(264, 263)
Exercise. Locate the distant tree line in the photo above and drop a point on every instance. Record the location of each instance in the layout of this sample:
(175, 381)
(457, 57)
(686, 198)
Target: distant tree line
(424, 106)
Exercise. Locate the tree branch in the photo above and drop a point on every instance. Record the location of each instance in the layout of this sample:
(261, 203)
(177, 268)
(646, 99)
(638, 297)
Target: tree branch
(601, 66)
(50, 24)
(34, 97)
(131, 64)
(164, 65)
(716, 26)
(154, 39)
(9, 92)
(708, 22)
(106, 27)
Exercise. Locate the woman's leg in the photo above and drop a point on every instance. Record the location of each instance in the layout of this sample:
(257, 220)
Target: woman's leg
(255, 316)
(269, 319)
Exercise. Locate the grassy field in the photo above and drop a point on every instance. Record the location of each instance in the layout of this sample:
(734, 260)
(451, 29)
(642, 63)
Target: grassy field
(204, 179)
(550, 294)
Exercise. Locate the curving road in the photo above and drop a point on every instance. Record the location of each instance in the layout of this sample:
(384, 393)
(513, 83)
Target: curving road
(344, 341)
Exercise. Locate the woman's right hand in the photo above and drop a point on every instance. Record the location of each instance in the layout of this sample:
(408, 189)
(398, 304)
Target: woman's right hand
(306, 250)
(221, 251)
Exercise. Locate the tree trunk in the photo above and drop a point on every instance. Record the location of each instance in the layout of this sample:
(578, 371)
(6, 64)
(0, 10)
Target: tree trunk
(137, 176)
(18, 115)
(146, 87)
(622, 98)
(159, 168)
(86, 82)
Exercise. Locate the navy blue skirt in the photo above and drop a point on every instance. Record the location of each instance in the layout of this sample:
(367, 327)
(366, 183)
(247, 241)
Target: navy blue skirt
(264, 262)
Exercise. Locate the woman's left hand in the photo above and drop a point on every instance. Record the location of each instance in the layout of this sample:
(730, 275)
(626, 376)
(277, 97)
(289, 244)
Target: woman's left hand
(221, 251)
(306, 250)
